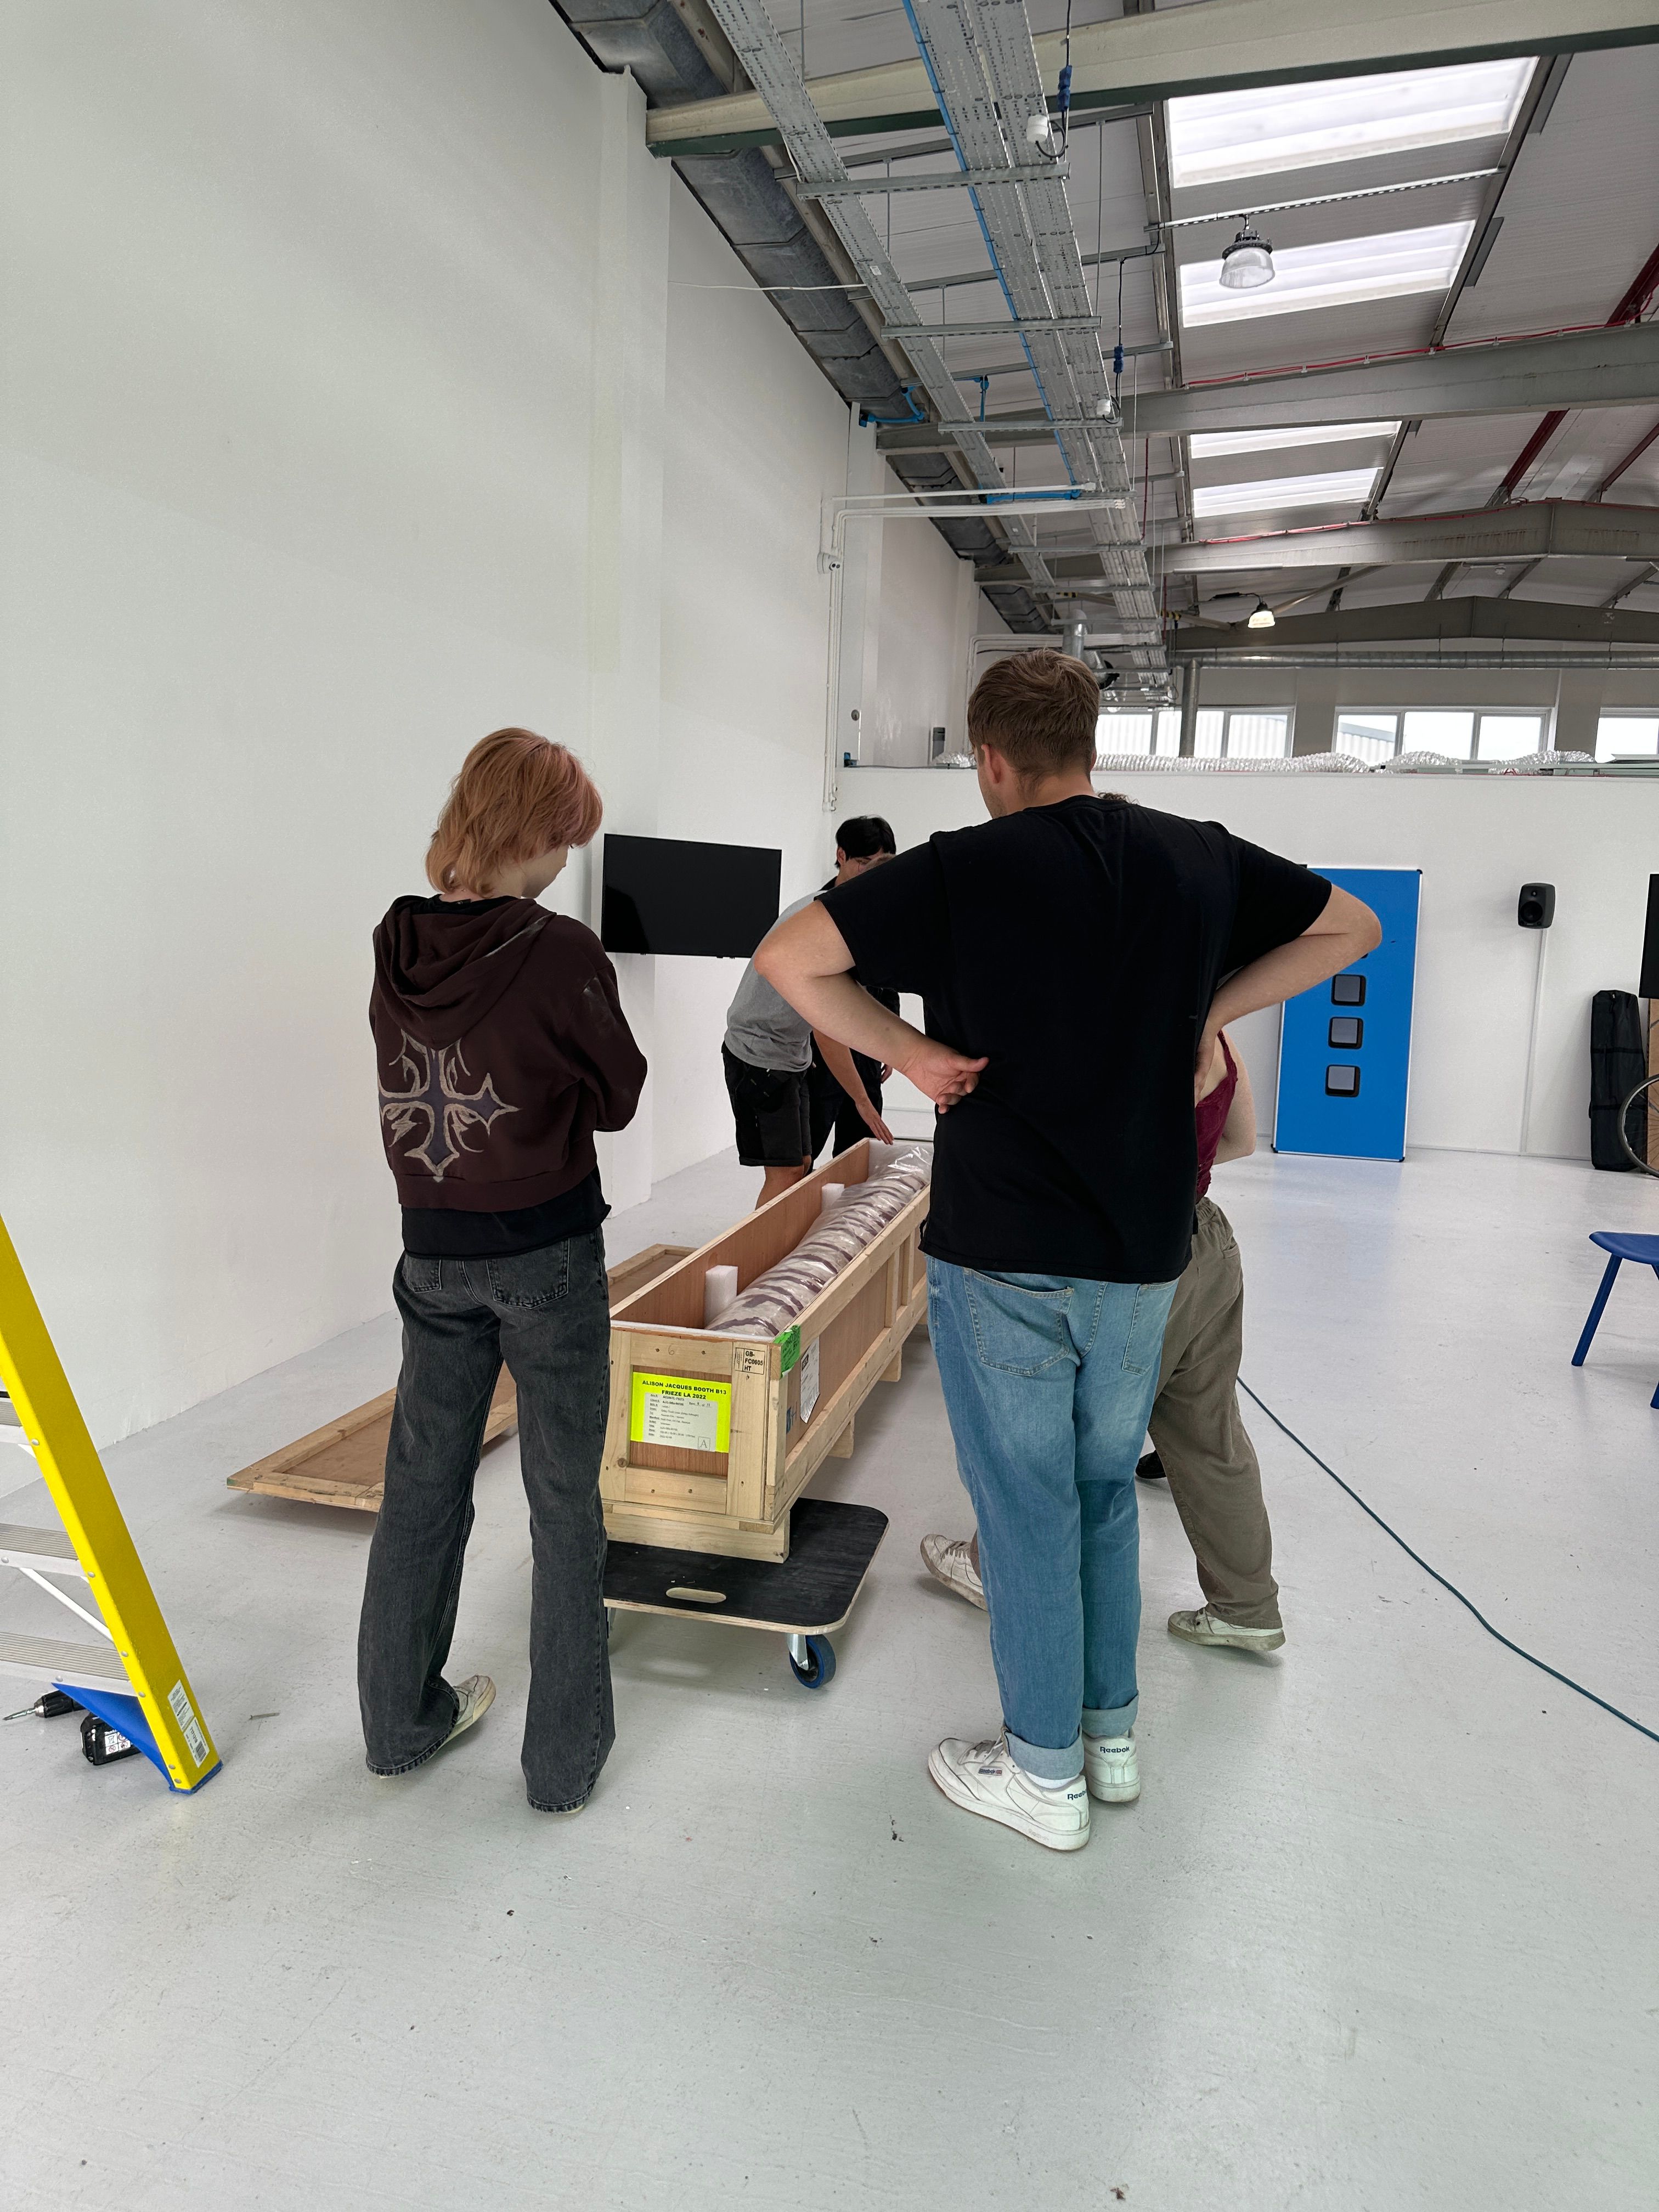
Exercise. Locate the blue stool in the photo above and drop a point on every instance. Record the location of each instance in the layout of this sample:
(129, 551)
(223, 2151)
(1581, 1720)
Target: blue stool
(1644, 1250)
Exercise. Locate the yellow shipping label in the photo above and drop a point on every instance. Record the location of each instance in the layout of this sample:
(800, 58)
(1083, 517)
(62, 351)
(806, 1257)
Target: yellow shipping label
(675, 1409)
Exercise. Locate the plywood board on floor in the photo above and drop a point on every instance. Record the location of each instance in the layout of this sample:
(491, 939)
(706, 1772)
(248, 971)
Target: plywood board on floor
(343, 1463)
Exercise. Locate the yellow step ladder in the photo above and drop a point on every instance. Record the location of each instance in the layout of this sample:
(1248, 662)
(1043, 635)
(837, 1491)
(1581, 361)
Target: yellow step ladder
(133, 1681)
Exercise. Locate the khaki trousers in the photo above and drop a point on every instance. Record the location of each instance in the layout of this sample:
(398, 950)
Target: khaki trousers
(1196, 1426)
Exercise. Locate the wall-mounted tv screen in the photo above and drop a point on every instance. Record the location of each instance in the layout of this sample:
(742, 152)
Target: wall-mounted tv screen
(669, 895)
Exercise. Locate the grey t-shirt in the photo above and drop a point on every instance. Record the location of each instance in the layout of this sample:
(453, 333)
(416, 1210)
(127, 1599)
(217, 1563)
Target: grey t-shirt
(763, 1028)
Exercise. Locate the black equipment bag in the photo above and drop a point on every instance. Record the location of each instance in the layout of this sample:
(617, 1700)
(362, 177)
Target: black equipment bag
(1618, 1064)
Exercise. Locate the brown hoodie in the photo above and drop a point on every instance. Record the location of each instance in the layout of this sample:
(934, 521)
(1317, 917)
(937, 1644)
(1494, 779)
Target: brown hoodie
(501, 1046)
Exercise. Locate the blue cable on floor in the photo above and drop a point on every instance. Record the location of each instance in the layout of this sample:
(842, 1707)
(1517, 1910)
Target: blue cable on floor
(1532, 1659)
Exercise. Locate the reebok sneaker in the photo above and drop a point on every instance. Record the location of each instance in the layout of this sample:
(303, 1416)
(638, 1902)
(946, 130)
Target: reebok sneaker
(1111, 1769)
(983, 1778)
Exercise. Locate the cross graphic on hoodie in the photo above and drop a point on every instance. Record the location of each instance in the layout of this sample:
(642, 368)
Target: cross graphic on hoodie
(435, 1096)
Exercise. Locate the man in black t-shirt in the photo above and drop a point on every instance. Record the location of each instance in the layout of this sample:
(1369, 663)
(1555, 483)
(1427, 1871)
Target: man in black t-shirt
(1076, 956)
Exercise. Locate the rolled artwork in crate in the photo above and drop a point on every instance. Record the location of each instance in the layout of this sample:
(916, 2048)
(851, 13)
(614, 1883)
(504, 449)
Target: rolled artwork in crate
(783, 1293)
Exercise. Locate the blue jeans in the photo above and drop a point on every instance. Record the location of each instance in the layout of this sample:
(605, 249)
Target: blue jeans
(1048, 1380)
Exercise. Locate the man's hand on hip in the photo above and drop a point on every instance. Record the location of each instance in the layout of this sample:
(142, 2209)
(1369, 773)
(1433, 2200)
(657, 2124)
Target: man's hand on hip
(940, 1074)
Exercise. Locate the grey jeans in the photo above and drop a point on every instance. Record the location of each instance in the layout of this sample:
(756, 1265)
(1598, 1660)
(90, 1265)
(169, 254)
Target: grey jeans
(547, 1314)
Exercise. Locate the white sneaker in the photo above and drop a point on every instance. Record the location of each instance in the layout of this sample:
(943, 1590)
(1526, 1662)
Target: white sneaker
(1204, 1627)
(1111, 1769)
(951, 1561)
(474, 1697)
(983, 1778)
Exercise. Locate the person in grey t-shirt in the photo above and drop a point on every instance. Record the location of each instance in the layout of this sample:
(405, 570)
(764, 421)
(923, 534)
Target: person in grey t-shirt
(764, 1030)
(768, 1056)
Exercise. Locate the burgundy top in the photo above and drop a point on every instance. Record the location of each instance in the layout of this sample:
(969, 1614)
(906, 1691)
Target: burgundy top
(1212, 1114)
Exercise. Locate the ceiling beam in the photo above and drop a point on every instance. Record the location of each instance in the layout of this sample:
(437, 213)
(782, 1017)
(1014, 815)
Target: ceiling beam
(1228, 45)
(1616, 367)
(1533, 530)
(1526, 532)
(1530, 118)
(1575, 369)
(1429, 622)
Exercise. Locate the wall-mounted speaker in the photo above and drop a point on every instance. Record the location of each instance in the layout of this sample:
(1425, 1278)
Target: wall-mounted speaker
(1535, 908)
(1649, 986)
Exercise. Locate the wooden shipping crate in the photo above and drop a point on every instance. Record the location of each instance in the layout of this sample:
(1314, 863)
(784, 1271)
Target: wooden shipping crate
(782, 1406)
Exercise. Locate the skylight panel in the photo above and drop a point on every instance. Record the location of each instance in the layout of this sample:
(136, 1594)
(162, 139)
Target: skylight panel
(1268, 494)
(1337, 273)
(1211, 445)
(1298, 126)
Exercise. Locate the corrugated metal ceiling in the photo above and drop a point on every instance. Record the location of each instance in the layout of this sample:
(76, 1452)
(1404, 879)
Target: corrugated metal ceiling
(1580, 217)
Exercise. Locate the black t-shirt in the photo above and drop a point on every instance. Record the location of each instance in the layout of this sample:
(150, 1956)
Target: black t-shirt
(437, 1233)
(1078, 946)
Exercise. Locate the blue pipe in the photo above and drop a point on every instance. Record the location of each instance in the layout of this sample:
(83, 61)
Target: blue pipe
(916, 414)
(945, 117)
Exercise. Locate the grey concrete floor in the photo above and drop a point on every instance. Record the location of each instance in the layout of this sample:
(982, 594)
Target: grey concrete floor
(1379, 1933)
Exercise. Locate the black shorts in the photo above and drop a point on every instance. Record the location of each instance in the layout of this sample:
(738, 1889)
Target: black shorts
(773, 1112)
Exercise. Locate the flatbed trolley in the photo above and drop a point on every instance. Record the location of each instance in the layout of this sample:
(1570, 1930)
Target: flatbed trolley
(807, 1596)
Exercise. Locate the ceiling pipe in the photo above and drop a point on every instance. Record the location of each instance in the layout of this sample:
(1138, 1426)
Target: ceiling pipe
(674, 52)
(990, 96)
(817, 173)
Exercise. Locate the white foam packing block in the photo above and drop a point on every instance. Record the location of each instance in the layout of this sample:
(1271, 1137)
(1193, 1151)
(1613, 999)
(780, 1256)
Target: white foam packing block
(719, 1290)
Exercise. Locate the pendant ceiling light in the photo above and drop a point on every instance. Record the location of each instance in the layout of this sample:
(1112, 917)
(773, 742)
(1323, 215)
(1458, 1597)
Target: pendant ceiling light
(1262, 618)
(1248, 262)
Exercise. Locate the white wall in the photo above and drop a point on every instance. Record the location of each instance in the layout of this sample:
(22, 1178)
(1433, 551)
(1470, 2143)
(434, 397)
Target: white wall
(756, 439)
(347, 413)
(1477, 840)
(928, 602)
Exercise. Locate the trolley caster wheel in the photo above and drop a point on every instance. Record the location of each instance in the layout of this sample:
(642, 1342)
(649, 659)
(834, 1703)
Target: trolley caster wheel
(818, 1667)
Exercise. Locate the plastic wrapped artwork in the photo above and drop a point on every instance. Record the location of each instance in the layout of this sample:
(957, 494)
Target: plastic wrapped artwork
(783, 1293)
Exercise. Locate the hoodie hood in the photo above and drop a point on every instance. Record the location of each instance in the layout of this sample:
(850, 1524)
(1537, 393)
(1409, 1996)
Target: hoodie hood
(440, 970)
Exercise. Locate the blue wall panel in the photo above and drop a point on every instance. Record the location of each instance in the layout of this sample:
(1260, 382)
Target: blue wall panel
(1345, 1049)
